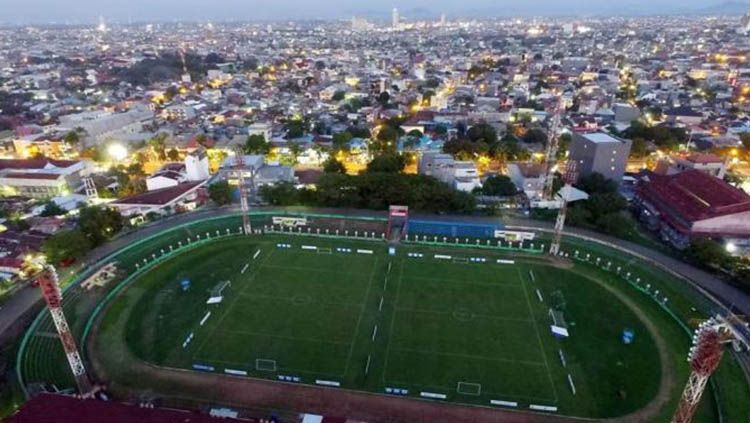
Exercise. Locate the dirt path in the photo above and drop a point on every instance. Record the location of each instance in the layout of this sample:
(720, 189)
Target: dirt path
(257, 394)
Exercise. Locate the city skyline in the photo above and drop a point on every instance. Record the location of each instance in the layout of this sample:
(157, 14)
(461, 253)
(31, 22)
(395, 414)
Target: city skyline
(88, 11)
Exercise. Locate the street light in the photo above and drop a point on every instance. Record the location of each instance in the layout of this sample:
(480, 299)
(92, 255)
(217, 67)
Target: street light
(117, 151)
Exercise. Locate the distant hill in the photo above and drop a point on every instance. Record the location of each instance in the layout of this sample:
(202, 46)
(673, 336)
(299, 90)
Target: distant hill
(726, 8)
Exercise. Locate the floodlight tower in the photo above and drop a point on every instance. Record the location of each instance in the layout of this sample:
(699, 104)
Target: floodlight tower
(550, 157)
(705, 356)
(48, 283)
(239, 165)
(569, 177)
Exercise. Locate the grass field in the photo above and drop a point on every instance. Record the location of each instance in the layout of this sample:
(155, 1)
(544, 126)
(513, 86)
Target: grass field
(474, 332)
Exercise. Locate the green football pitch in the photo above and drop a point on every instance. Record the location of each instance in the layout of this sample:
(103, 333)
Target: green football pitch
(443, 328)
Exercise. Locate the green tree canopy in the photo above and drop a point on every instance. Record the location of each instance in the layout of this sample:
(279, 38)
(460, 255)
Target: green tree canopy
(66, 245)
(220, 193)
(499, 185)
(99, 223)
(257, 144)
(333, 166)
(387, 163)
(52, 209)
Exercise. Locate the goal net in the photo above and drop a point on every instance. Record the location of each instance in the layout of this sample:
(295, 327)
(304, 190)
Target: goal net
(265, 365)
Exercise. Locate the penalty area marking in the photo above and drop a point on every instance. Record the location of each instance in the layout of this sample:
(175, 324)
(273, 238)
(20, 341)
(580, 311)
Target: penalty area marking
(265, 365)
(467, 388)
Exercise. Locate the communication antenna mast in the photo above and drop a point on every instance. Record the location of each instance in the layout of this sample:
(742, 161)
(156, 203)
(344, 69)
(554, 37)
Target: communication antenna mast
(568, 178)
(48, 283)
(185, 73)
(550, 157)
(705, 356)
(239, 165)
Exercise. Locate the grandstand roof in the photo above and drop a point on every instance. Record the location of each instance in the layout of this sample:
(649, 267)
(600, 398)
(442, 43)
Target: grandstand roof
(55, 408)
(694, 196)
(160, 196)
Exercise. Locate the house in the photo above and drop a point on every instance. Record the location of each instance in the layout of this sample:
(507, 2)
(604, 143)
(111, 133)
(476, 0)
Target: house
(690, 205)
(461, 175)
(685, 115)
(707, 163)
(164, 201)
(528, 177)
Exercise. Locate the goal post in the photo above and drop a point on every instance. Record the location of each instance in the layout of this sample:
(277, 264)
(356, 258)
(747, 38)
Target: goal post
(467, 388)
(265, 365)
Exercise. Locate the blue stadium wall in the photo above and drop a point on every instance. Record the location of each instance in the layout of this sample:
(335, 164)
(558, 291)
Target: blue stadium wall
(452, 229)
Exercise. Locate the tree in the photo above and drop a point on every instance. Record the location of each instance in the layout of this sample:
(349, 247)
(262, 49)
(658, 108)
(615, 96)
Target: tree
(281, 194)
(499, 185)
(359, 132)
(708, 253)
(66, 245)
(333, 166)
(745, 138)
(387, 163)
(596, 183)
(72, 138)
(295, 128)
(341, 141)
(257, 144)
(173, 155)
(482, 132)
(535, 136)
(639, 149)
(135, 170)
(338, 95)
(52, 209)
(415, 133)
(384, 98)
(99, 224)
(157, 145)
(220, 193)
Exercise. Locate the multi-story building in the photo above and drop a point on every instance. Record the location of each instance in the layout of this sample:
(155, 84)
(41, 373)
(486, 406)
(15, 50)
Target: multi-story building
(40, 178)
(602, 153)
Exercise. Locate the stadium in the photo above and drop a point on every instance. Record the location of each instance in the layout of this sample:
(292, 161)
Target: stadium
(366, 315)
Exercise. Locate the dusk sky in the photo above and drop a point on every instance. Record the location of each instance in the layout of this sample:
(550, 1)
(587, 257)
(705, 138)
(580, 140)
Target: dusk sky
(82, 11)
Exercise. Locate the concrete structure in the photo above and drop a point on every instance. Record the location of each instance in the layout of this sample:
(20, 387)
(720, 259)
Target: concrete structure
(174, 199)
(260, 128)
(196, 165)
(528, 178)
(626, 113)
(692, 204)
(460, 175)
(707, 163)
(40, 178)
(601, 153)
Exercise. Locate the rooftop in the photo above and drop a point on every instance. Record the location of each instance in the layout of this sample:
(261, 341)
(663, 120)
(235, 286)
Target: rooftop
(694, 195)
(160, 196)
(601, 138)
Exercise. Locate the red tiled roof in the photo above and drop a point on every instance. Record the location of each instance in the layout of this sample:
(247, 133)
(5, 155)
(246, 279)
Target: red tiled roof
(33, 163)
(704, 158)
(693, 196)
(159, 196)
(32, 175)
(49, 408)
(11, 262)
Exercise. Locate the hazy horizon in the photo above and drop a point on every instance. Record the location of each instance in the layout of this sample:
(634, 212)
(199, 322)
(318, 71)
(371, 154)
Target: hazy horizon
(85, 11)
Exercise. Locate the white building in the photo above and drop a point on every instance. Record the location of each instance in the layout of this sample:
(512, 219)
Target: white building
(460, 175)
(260, 128)
(528, 177)
(196, 165)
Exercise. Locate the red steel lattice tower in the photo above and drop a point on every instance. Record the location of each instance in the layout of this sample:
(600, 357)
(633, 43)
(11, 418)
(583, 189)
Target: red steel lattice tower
(550, 159)
(48, 283)
(239, 165)
(705, 356)
(569, 177)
